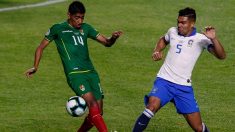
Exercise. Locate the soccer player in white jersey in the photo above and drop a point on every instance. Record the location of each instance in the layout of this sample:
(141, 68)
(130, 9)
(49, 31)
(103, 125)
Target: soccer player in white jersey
(173, 81)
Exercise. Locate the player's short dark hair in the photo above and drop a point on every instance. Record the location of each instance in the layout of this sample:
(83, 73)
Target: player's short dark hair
(76, 7)
(188, 12)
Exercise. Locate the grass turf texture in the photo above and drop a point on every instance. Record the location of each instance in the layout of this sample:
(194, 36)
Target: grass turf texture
(126, 70)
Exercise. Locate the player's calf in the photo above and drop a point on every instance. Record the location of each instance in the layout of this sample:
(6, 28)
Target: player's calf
(97, 119)
(143, 120)
(87, 125)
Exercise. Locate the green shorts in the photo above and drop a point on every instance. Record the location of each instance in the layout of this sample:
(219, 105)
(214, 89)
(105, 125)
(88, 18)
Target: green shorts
(82, 83)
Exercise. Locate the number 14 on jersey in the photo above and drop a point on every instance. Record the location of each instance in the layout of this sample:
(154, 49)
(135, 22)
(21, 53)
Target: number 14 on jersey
(78, 39)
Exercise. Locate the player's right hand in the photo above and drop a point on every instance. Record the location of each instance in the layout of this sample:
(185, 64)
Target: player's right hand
(157, 55)
(117, 34)
(30, 72)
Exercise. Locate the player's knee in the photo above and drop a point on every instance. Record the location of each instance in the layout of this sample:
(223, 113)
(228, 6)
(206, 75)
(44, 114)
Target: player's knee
(153, 105)
(92, 103)
(90, 100)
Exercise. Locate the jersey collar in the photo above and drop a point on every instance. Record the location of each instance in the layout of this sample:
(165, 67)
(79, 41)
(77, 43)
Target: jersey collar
(192, 33)
(73, 27)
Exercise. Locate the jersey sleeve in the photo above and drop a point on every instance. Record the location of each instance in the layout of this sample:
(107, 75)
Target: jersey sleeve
(207, 44)
(92, 33)
(167, 35)
(51, 33)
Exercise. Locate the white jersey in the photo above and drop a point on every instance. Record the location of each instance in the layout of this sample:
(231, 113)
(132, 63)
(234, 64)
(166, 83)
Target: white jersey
(182, 56)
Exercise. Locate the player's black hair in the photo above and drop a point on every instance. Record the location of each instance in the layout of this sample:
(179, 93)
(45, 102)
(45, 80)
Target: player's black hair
(76, 7)
(188, 12)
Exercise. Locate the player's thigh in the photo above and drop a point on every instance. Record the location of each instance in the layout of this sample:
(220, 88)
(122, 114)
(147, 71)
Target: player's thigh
(160, 93)
(90, 99)
(100, 103)
(96, 86)
(162, 90)
(184, 100)
(79, 84)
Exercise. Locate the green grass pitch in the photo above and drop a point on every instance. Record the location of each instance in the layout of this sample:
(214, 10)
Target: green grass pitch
(127, 71)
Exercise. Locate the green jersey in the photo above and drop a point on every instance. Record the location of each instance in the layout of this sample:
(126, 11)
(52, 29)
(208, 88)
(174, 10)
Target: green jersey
(72, 46)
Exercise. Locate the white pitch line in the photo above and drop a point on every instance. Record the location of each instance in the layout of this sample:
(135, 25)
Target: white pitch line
(31, 5)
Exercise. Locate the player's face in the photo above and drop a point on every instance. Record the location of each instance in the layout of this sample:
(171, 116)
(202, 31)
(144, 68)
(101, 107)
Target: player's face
(185, 26)
(76, 20)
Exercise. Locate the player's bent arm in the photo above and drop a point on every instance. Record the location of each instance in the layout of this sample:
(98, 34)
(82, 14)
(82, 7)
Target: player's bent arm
(39, 51)
(108, 42)
(37, 57)
(160, 46)
(217, 49)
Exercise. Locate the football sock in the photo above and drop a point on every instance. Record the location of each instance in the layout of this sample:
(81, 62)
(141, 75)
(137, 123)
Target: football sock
(97, 119)
(143, 120)
(86, 126)
(205, 129)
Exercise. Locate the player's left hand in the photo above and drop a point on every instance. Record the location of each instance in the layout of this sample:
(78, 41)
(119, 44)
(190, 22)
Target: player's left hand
(116, 34)
(209, 32)
(30, 72)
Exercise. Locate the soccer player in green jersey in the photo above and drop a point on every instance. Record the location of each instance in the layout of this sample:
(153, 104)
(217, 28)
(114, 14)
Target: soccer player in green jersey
(71, 41)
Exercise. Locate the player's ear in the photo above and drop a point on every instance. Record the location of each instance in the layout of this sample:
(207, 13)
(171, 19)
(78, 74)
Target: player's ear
(192, 23)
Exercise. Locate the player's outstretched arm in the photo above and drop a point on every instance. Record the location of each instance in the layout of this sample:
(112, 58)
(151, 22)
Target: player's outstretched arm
(217, 50)
(108, 42)
(37, 57)
(157, 52)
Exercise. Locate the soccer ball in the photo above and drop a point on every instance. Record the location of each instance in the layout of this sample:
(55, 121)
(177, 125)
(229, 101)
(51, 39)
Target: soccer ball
(76, 106)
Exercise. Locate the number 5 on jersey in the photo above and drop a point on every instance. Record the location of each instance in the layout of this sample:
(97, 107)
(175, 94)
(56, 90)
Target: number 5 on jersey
(178, 48)
(78, 39)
